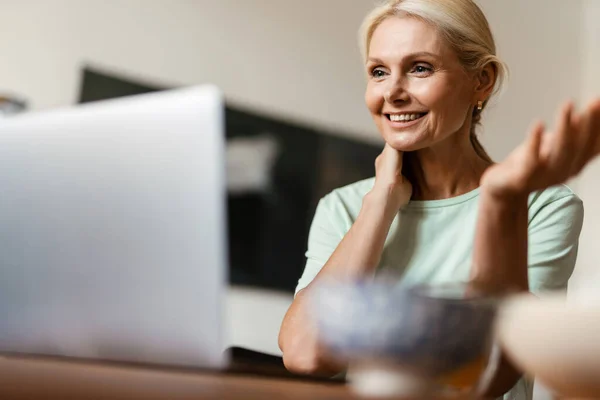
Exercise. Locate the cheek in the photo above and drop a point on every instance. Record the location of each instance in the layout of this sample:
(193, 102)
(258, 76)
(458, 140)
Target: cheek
(431, 93)
(447, 102)
(373, 98)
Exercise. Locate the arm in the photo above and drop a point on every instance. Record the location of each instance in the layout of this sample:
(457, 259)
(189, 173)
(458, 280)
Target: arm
(500, 256)
(356, 256)
(500, 262)
(500, 250)
(555, 222)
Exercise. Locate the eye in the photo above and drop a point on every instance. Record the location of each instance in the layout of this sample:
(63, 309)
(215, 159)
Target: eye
(422, 69)
(378, 72)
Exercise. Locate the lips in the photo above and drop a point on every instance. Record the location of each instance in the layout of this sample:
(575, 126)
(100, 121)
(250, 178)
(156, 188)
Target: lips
(402, 121)
(405, 117)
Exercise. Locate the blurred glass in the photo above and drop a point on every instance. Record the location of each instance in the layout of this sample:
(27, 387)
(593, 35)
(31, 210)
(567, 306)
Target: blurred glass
(429, 339)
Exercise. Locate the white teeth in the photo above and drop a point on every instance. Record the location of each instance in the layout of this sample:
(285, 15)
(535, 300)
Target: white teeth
(404, 117)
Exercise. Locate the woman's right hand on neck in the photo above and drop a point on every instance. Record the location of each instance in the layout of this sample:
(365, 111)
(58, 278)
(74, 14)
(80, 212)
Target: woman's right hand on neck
(357, 256)
(391, 186)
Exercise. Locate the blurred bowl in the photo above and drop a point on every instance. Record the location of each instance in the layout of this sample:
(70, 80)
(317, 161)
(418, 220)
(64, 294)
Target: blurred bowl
(406, 340)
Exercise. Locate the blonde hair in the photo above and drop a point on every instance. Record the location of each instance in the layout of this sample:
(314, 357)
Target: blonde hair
(462, 24)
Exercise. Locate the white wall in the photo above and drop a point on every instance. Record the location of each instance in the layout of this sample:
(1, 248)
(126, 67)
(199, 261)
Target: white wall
(540, 41)
(297, 58)
(586, 279)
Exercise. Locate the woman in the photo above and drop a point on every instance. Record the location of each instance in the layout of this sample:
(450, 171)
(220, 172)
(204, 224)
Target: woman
(438, 210)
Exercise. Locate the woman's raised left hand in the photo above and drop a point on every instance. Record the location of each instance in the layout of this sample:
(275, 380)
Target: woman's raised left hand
(546, 159)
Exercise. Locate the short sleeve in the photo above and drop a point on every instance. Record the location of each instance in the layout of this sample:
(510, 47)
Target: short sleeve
(323, 238)
(553, 242)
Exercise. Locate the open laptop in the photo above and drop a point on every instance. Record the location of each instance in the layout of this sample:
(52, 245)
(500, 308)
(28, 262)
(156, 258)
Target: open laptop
(112, 230)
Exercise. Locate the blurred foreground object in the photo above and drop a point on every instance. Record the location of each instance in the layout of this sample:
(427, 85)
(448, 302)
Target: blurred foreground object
(10, 105)
(423, 340)
(555, 341)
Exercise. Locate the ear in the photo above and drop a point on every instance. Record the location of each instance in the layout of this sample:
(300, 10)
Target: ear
(485, 80)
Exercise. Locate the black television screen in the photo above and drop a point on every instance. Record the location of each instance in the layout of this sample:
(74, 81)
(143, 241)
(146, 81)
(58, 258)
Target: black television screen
(277, 172)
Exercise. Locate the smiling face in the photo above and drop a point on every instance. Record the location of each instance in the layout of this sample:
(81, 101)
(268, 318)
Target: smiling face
(418, 92)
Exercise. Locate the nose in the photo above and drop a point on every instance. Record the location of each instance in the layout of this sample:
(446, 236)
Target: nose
(396, 91)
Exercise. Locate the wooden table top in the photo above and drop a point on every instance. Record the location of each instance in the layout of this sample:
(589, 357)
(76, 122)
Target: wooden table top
(55, 379)
(31, 378)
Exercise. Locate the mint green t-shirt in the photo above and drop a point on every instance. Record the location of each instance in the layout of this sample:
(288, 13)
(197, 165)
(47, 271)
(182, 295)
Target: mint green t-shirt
(432, 241)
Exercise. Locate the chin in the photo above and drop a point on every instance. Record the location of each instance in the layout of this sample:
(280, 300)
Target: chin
(405, 142)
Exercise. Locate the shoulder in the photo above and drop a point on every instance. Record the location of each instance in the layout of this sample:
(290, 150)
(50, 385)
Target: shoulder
(555, 214)
(349, 196)
(551, 194)
(555, 223)
(341, 207)
(557, 202)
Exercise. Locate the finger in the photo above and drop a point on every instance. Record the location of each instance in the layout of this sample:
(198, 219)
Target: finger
(589, 133)
(563, 149)
(594, 110)
(393, 157)
(388, 167)
(534, 142)
(534, 145)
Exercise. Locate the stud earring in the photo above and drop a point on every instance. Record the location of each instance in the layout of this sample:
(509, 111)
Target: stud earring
(479, 105)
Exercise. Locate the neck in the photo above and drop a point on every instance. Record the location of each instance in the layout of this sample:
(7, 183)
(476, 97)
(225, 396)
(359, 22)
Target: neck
(445, 170)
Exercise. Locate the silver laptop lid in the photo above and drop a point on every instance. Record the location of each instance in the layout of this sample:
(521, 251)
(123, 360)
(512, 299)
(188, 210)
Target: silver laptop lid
(112, 230)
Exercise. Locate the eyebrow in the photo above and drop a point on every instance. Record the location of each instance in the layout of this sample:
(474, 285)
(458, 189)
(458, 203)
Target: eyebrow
(410, 56)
